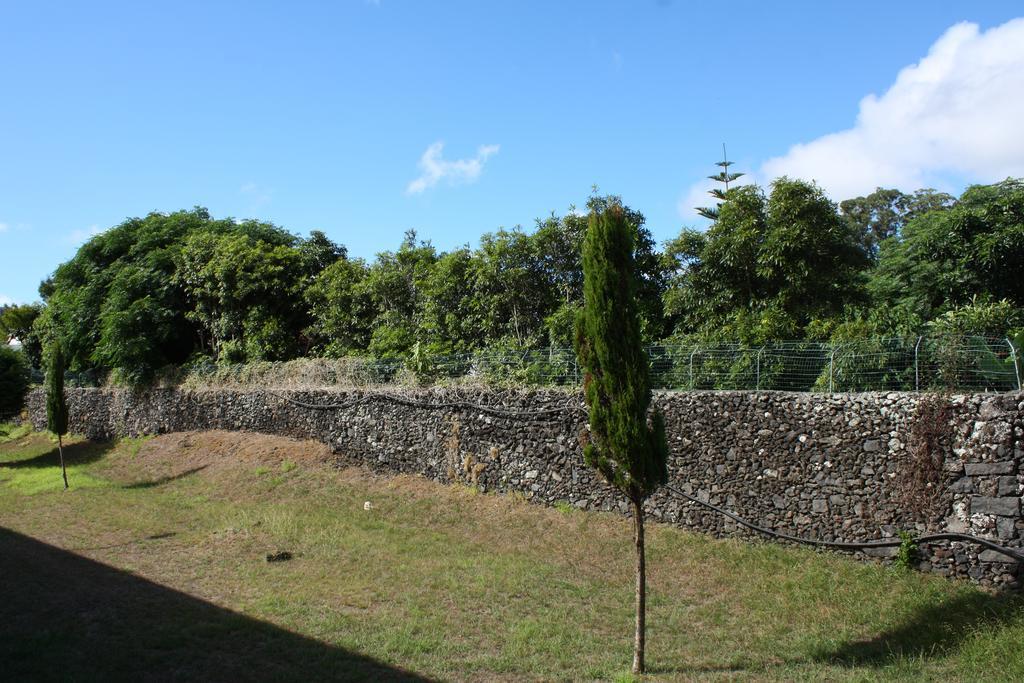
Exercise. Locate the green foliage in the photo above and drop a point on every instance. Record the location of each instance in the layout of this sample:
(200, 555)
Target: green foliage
(14, 381)
(558, 247)
(56, 401)
(953, 257)
(725, 177)
(562, 325)
(450, 320)
(17, 322)
(627, 450)
(906, 556)
(10, 431)
(154, 291)
(979, 319)
(115, 305)
(883, 213)
(767, 267)
(564, 507)
(341, 309)
(395, 284)
(979, 325)
(508, 288)
(246, 294)
(168, 289)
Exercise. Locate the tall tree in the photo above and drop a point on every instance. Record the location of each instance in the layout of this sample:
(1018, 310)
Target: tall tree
(56, 402)
(450, 321)
(627, 448)
(511, 290)
(153, 291)
(725, 177)
(558, 247)
(396, 283)
(767, 267)
(883, 213)
(245, 294)
(341, 309)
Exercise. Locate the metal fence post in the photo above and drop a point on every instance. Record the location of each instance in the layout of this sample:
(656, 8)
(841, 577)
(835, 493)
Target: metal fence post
(1016, 361)
(831, 369)
(692, 353)
(917, 367)
(757, 381)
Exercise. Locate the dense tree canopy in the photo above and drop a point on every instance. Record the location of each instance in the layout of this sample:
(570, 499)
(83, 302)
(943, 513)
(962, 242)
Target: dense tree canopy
(154, 291)
(786, 263)
(767, 267)
(972, 251)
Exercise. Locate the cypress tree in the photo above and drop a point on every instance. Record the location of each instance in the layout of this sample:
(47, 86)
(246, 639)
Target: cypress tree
(56, 403)
(628, 449)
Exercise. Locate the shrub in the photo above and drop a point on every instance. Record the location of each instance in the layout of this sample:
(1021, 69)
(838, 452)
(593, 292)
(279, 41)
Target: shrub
(14, 381)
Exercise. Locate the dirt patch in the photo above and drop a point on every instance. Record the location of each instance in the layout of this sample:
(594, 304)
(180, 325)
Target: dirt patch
(171, 456)
(213, 447)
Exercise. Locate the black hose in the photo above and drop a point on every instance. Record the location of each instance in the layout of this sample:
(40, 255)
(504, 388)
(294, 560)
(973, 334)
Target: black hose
(927, 538)
(464, 405)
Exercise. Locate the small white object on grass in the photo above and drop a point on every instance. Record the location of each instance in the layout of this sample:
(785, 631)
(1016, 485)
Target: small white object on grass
(367, 505)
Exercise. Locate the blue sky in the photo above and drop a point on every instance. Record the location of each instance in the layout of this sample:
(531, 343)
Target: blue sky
(365, 119)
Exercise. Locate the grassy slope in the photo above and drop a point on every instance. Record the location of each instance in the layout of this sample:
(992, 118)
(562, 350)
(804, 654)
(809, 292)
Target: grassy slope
(155, 562)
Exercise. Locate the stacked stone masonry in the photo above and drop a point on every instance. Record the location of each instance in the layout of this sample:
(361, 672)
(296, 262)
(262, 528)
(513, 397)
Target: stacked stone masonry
(833, 467)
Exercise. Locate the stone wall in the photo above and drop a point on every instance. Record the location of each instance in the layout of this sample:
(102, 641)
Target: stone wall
(838, 467)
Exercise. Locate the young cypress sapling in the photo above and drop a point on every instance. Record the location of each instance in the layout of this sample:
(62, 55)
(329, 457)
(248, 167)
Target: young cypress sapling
(628, 449)
(56, 403)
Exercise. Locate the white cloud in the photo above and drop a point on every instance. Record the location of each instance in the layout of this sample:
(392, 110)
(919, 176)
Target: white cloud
(4, 227)
(434, 168)
(80, 235)
(5, 300)
(956, 113)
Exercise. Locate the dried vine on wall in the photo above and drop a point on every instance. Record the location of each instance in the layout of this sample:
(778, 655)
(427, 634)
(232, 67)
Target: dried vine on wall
(921, 476)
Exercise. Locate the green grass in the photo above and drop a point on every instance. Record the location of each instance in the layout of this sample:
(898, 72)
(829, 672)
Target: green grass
(12, 432)
(38, 470)
(159, 552)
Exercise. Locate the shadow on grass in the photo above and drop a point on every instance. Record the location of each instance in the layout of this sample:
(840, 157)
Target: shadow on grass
(165, 480)
(930, 632)
(78, 453)
(63, 617)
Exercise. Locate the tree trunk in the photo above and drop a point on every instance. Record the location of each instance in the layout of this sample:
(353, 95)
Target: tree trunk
(640, 639)
(60, 450)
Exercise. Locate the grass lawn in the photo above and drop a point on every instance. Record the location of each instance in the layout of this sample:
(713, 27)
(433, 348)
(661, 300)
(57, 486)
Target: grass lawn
(153, 566)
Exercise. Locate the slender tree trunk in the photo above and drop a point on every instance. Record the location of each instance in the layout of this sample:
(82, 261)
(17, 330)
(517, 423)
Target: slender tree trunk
(60, 450)
(640, 640)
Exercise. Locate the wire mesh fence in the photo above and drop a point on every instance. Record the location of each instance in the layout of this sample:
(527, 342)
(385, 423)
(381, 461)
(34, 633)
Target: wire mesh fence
(962, 363)
(875, 364)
